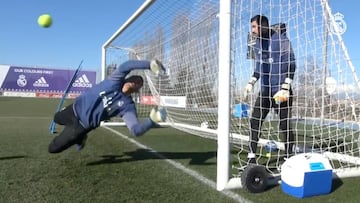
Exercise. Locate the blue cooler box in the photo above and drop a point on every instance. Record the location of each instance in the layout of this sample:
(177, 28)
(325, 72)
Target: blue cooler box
(241, 110)
(305, 175)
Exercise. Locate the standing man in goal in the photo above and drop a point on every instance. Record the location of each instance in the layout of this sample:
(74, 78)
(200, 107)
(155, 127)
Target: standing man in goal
(275, 67)
(109, 98)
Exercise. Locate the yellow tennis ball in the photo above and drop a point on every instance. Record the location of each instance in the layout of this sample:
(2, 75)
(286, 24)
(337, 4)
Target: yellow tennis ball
(45, 20)
(268, 155)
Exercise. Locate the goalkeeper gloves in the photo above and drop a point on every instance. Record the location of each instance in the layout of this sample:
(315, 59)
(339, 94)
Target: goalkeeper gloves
(250, 86)
(157, 67)
(158, 114)
(283, 94)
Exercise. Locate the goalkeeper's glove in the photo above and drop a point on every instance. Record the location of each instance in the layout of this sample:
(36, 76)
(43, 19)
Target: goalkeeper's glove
(157, 67)
(283, 94)
(250, 86)
(158, 114)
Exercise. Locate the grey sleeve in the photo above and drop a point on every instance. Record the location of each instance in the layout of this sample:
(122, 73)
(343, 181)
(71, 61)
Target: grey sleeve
(135, 127)
(126, 67)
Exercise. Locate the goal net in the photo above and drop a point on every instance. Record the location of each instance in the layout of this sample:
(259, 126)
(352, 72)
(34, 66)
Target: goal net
(206, 49)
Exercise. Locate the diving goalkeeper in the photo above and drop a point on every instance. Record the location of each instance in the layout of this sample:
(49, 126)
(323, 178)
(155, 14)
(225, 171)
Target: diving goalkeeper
(110, 98)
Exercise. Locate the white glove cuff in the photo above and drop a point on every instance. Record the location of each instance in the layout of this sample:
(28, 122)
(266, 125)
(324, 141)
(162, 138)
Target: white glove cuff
(252, 80)
(286, 85)
(288, 80)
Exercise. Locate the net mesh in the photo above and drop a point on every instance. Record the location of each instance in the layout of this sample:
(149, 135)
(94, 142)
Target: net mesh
(184, 35)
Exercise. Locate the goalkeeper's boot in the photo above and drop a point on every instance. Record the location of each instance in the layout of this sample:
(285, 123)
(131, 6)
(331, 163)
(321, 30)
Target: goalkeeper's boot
(289, 150)
(251, 161)
(81, 143)
(251, 158)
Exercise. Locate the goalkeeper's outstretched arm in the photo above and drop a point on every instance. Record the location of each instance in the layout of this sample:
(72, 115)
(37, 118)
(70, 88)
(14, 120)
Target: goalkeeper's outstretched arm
(138, 128)
(125, 68)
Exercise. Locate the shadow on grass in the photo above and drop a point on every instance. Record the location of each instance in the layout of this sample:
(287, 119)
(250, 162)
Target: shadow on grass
(336, 184)
(11, 157)
(196, 158)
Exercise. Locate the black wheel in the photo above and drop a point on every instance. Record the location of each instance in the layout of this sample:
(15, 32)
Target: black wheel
(254, 178)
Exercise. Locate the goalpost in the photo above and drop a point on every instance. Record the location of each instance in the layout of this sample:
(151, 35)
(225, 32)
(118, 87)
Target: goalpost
(205, 47)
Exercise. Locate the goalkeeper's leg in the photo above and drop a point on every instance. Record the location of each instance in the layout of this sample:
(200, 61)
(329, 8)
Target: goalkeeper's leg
(73, 132)
(65, 116)
(285, 126)
(260, 110)
(69, 136)
(81, 141)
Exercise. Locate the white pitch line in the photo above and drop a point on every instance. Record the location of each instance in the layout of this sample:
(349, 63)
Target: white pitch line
(181, 167)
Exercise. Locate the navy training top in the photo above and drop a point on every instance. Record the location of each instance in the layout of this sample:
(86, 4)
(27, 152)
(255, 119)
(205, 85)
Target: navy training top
(274, 62)
(106, 100)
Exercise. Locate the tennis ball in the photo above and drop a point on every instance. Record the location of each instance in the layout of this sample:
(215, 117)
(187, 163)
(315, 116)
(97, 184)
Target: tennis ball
(268, 155)
(45, 20)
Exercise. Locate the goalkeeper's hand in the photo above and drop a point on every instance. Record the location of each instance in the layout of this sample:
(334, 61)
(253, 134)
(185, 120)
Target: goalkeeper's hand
(283, 94)
(249, 87)
(157, 67)
(158, 114)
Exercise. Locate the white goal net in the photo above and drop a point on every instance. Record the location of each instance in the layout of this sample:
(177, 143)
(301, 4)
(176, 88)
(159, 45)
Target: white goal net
(206, 52)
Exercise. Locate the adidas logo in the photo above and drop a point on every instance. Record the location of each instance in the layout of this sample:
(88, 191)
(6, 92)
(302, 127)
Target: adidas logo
(82, 81)
(41, 82)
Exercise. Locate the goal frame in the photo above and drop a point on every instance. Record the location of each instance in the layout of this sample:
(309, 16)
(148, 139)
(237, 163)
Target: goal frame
(223, 135)
(223, 164)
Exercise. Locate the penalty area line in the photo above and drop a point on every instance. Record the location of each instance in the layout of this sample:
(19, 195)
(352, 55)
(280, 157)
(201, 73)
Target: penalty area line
(181, 167)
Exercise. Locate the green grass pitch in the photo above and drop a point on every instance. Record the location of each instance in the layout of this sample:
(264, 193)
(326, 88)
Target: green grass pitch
(114, 169)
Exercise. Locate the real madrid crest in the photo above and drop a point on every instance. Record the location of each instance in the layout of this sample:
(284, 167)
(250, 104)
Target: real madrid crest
(21, 81)
(339, 23)
(120, 103)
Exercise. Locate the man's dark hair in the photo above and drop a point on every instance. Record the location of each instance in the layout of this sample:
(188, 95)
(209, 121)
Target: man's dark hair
(135, 78)
(263, 22)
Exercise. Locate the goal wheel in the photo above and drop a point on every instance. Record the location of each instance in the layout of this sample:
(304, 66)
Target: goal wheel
(254, 178)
